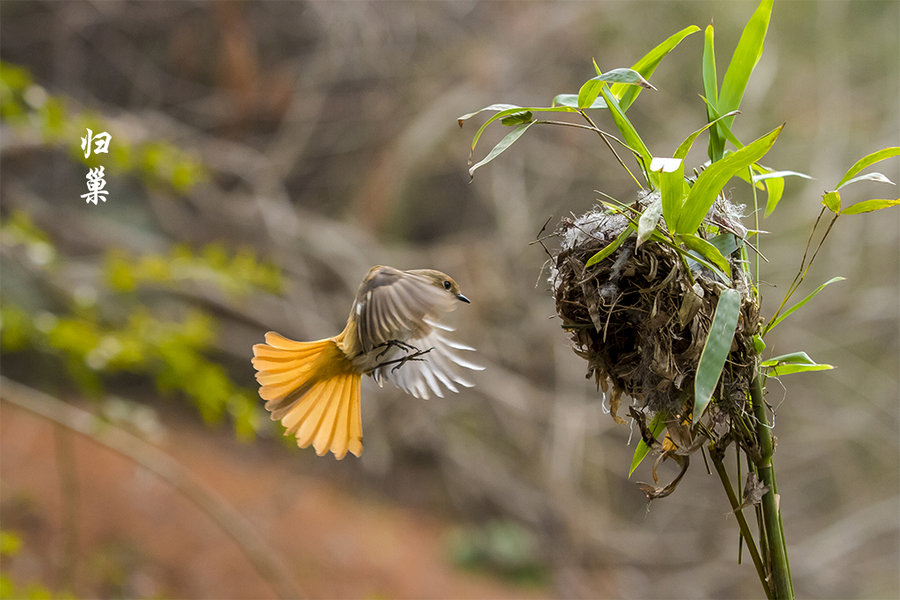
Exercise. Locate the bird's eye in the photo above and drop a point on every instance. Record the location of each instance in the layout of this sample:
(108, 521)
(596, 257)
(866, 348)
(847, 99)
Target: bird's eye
(447, 285)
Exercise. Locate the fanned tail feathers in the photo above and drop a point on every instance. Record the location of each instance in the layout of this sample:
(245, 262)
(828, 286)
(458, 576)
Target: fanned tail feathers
(313, 389)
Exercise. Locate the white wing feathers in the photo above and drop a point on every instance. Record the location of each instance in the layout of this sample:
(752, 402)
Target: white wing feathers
(432, 370)
(397, 308)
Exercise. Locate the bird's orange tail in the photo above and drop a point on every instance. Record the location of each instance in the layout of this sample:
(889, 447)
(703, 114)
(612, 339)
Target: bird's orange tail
(313, 389)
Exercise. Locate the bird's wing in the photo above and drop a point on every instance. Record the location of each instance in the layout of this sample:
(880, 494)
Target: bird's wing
(394, 305)
(432, 366)
(397, 306)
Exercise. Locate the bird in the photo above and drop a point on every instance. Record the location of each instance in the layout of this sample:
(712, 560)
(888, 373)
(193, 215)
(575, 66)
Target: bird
(394, 333)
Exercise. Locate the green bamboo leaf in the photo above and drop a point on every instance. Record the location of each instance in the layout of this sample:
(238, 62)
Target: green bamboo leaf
(711, 181)
(723, 127)
(711, 93)
(707, 251)
(832, 201)
(630, 134)
(671, 186)
(715, 350)
(774, 183)
(790, 311)
(726, 243)
(526, 116)
(501, 146)
(688, 142)
(868, 160)
(874, 176)
(649, 219)
(796, 362)
(799, 357)
(758, 344)
(461, 120)
(510, 110)
(571, 100)
(869, 206)
(789, 369)
(610, 248)
(746, 55)
(591, 88)
(656, 426)
(626, 94)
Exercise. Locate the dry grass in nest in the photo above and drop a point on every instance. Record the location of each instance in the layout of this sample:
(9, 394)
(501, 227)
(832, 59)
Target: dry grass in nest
(641, 323)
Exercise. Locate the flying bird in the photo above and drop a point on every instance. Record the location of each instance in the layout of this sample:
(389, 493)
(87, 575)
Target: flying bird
(393, 333)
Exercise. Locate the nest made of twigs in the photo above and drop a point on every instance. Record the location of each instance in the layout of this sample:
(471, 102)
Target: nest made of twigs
(641, 321)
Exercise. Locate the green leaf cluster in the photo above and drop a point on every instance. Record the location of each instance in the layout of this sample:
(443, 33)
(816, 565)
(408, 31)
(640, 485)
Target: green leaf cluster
(10, 546)
(38, 116)
(115, 330)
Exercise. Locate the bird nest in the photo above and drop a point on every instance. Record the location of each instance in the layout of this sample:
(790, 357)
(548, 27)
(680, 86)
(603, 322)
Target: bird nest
(641, 316)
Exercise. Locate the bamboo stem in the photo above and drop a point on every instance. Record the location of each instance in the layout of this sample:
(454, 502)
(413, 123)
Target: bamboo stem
(742, 522)
(775, 549)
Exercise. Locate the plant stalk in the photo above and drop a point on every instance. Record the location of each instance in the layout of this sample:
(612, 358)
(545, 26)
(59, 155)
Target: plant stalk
(742, 522)
(774, 548)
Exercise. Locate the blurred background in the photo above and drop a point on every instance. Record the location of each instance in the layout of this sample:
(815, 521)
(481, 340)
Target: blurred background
(263, 156)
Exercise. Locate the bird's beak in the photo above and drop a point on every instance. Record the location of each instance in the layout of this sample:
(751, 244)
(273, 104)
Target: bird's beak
(463, 298)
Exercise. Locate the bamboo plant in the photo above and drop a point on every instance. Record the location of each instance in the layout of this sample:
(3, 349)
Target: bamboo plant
(660, 294)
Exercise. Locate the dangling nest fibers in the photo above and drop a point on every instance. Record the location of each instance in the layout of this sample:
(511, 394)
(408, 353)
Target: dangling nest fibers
(641, 322)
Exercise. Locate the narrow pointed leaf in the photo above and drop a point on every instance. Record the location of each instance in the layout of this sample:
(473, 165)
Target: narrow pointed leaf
(686, 145)
(526, 116)
(649, 219)
(591, 88)
(723, 126)
(707, 251)
(711, 93)
(799, 357)
(789, 369)
(461, 120)
(630, 134)
(671, 187)
(715, 351)
(510, 110)
(796, 362)
(774, 184)
(746, 55)
(711, 181)
(874, 176)
(656, 426)
(610, 248)
(866, 161)
(626, 94)
(572, 101)
(791, 310)
(869, 206)
(501, 146)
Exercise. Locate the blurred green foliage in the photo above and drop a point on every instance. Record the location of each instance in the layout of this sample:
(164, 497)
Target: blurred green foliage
(10, 546)
(131, 316)
(41, 117)
(499, 545)
(176, 351)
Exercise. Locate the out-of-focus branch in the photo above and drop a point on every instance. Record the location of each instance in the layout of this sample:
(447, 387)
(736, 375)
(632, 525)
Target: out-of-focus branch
(264, 559)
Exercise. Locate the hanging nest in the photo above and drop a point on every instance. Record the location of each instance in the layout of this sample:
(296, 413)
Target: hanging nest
(640, 319)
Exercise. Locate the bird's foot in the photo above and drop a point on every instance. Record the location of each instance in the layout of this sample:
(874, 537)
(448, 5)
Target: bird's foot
(399, 362)
(396, 344)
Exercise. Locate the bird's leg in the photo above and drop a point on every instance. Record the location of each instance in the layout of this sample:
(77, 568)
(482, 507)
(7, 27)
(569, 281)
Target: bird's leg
(412, 353)
(398, 344)
(402, 360)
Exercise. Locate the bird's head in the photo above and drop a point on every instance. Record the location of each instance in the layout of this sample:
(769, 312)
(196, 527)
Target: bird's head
(442, 281)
